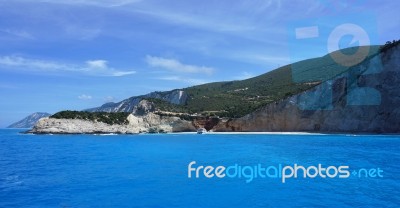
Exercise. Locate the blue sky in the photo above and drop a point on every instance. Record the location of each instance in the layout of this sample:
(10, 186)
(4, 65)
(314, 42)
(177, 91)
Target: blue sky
(76, 54)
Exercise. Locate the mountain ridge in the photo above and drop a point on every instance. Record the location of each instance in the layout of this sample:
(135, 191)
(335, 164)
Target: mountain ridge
(240, 97)
(29, 121)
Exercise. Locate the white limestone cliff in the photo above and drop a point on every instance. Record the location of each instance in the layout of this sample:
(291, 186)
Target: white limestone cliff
(149, 123)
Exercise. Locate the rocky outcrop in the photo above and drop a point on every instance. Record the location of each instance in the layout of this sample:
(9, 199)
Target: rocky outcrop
(364, 99)
(150, 123)
(206, 122)
(144, 107)
(29, 121)
(179, 97)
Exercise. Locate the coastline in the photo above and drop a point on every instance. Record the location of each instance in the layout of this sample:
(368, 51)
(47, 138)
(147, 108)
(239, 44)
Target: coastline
(214, 133)
(297, 133)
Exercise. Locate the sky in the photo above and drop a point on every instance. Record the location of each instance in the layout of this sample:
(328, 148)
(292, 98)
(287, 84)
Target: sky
(76, 54)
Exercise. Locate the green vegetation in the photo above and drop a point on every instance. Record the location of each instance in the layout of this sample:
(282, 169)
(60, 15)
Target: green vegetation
(238, 98)
(389, 44)
(108, 118)
(167, 106)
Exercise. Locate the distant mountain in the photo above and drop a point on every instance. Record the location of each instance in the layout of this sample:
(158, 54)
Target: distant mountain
(177, 97)
(29, 121)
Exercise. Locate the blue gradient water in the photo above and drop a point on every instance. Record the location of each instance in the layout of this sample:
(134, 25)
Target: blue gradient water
(151, 170)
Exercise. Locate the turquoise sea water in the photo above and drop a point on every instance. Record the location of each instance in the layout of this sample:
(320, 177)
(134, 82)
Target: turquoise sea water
(152, 170)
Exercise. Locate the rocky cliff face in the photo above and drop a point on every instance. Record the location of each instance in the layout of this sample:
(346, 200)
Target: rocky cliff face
(364, 99)
(29, 121)
(148, 123)
(176, 97)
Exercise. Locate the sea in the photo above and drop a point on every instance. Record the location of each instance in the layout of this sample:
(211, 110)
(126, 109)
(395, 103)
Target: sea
(152, 170)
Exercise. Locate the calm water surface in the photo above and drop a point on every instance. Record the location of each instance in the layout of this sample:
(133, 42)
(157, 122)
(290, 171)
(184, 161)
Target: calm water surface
(151, 170)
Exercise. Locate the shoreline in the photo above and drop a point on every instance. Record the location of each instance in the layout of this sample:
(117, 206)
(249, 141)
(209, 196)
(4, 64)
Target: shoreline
(214, 133)
(294, 133)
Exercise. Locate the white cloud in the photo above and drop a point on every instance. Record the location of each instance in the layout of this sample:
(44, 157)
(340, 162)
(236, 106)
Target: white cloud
(84, 97)
(194, 21)
(102, 64)
(210, 15)
(16, 61)
(19, 34)
(244, 19)
(177, 66)
(91, 67)
(122, 73)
